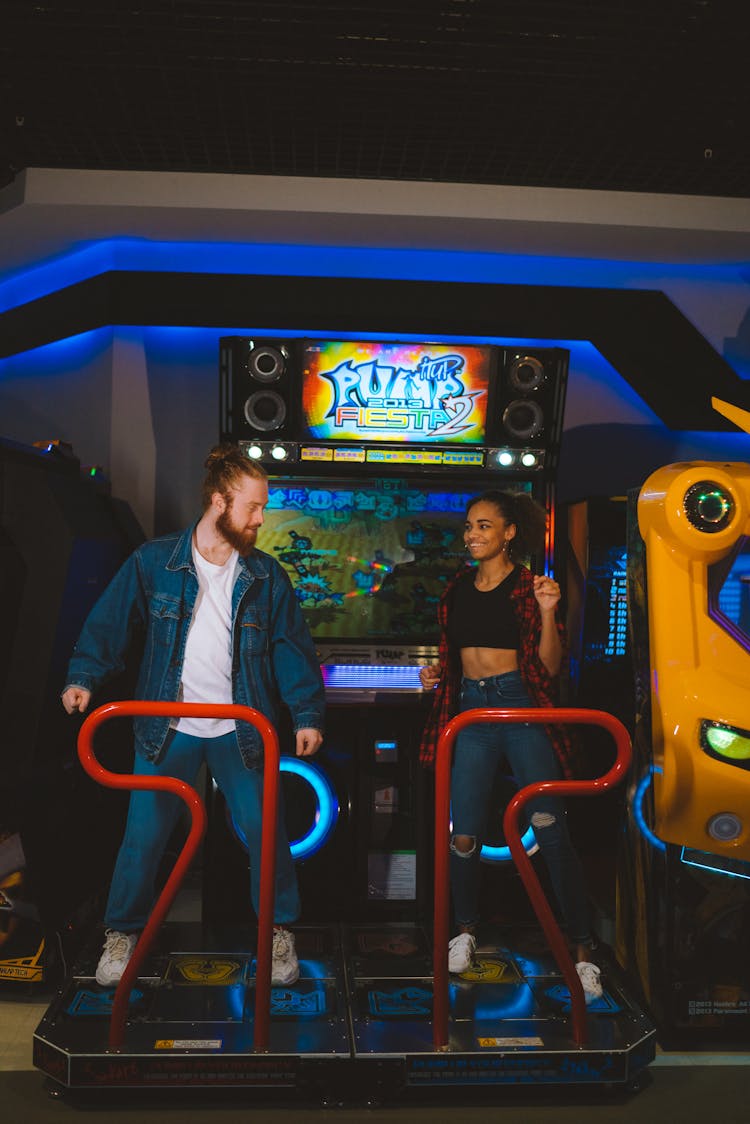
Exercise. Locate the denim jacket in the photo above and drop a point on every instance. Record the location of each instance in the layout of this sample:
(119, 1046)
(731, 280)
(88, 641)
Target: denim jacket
(153, 594)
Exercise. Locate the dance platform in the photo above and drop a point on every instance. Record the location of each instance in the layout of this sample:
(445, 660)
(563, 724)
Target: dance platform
(356, 1026)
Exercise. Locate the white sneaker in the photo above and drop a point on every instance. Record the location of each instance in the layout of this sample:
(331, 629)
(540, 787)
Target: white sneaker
(118, 948)
(284, 962)
(591, 980)
(461, 953)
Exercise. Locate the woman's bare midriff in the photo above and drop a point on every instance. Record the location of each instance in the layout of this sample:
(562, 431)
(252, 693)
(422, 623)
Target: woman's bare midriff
(481, 663)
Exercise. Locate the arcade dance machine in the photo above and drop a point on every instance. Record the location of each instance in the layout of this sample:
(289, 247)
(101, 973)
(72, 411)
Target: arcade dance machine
(374, 450)
(685, 872)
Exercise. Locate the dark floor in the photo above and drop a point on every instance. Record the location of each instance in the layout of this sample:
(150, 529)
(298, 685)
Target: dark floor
(682, 1093)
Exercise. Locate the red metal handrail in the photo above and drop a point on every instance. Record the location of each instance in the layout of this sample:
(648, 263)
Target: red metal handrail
(552, 716)
(197, 830)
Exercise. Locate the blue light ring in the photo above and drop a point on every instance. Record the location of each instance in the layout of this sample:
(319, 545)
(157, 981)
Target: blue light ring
(490, 854)
(326, 812)
(637, 806)
(502, 854)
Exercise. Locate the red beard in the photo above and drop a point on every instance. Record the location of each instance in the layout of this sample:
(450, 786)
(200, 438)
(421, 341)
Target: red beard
(243, 540)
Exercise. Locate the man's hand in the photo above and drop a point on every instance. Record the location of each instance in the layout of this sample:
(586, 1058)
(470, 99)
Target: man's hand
(76, 698)
(308, 741)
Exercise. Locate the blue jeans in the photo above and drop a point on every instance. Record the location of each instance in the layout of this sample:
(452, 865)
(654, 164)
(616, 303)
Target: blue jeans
(478, 751)
(152, 817)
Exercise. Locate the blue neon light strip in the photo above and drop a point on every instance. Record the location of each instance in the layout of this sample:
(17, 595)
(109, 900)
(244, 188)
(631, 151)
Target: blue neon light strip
(717, 864)
(361, 676)
(326, 813)
(140, 254)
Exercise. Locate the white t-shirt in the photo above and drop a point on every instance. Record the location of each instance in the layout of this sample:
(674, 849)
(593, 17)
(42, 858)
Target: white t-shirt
(207, 670)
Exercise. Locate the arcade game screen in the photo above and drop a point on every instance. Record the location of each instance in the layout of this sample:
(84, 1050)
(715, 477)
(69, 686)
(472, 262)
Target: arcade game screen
(378, 391)
(729, 592)
(368, 559)
(607, 604)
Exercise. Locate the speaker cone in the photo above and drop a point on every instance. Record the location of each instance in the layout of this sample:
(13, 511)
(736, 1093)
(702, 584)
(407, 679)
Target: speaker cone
(523, 419)
(266, 364)
(526, 373)
(265, 410)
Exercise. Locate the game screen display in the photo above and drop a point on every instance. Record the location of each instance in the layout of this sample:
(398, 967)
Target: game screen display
(606, 604)
(405, 392)
(368, 560)
(729, 592)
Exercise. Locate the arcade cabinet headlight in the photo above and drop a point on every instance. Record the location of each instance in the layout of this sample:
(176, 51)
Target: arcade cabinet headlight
(726, 743)
(709, 506)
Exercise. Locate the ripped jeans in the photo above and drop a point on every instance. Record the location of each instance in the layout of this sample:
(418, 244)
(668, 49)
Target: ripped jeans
(478, 751)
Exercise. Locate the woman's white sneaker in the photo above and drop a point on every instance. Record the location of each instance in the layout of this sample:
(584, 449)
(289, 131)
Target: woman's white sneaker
(284, 962)
(591, 980)
(461, 953)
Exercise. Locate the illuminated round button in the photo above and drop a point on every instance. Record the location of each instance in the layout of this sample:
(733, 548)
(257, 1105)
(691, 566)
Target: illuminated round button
(254, 452)
(528, 459)
(505, 458)
(724, 827)
(709, 506)
(278, 453)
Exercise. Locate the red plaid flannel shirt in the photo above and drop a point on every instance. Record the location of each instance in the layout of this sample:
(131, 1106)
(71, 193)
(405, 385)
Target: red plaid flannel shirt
(539, 683)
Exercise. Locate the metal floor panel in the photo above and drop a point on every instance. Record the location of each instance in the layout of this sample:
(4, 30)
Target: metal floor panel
(362, 1008)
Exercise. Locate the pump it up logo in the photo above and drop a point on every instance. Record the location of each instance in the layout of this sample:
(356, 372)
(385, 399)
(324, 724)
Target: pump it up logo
(438, 395)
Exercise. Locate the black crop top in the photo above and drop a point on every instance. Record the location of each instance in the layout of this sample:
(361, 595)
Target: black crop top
(484, 619)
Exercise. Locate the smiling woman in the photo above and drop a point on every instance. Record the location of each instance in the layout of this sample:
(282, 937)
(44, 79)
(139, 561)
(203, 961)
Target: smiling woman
(502, 647)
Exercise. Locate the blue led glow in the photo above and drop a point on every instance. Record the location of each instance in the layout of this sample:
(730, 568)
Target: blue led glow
(502, 854)
(326, 811)
(57, 358)
(363, 676)
(87, 261)
(490, 854)
(512, 1000)
(637, 806)
(717, 864)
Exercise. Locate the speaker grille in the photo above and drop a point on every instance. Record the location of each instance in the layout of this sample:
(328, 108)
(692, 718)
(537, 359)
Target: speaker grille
(265, 410)
(257, 387)
(526, 411)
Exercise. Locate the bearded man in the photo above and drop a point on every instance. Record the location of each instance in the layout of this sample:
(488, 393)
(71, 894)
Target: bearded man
(219, 623)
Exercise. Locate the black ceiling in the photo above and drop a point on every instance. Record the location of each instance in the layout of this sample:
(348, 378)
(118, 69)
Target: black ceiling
(632, 95)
